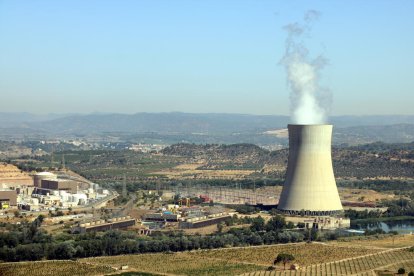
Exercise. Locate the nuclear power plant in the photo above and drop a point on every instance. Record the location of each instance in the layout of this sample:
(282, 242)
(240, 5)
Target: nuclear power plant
(310, 187)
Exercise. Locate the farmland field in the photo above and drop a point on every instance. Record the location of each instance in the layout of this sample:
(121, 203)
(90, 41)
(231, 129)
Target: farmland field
(378, 241)
(334, 258)
(177, 263)
(52, 268)
(232, 261)
(364, 265)
(305, 254)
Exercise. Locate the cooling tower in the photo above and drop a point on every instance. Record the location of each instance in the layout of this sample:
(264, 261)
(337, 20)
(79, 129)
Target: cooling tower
(310, 183)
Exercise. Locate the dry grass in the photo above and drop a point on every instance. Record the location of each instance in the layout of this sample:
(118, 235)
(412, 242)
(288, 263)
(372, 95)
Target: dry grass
(363, 195)
(202, 230)
(191, 171)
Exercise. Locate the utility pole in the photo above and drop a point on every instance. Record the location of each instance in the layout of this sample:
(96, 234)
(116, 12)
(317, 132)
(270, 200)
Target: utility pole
(254, 191)
(124, 191)
(52, 156)
(63, 161)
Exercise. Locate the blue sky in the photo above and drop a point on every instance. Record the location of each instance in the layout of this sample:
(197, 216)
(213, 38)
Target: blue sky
(199, 56)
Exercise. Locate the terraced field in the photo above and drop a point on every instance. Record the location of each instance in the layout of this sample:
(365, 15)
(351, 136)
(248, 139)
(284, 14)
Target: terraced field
(231, 261)
(305, 254)
(52, 268)
(177, 263)
(365, 265)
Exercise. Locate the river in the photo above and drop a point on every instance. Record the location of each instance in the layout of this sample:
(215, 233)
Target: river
(402, 226)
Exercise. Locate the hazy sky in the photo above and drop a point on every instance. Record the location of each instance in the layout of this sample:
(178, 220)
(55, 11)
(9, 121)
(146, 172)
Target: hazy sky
(199, 56)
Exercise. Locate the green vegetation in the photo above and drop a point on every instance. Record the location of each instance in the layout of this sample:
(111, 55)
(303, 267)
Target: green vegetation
(398, 186)
(401, 209)
(28, 241)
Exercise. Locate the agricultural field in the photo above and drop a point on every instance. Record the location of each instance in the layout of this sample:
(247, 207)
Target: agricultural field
(377, 241)
(176, 263)
(52, 268)
(305, 254)
(365, 265)
(334, 258)
(231, 261)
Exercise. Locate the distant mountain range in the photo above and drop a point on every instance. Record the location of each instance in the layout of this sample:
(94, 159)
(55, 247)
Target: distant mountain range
(348, 129)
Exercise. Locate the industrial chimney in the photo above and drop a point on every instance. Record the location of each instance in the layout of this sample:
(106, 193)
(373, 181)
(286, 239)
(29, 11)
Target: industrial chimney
(310, 185)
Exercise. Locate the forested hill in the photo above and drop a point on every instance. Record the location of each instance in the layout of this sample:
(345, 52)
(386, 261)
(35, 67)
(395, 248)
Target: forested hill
(377, 160)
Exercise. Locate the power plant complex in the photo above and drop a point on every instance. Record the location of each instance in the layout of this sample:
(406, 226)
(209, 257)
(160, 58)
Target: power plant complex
(310, 187)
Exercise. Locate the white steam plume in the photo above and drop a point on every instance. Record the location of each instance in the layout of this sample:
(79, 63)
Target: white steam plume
(303, 75)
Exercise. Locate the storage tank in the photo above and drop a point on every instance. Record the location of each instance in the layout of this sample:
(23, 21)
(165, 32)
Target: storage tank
(35, 201)
(310, 185)
(64, 195)
(80, 199)
(38, 177)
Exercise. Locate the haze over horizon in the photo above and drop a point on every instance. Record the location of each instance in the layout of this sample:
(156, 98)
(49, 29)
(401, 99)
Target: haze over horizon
(199, 57)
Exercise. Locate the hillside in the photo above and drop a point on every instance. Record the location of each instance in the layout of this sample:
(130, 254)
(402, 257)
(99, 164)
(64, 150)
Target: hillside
(10, 174)
(393, 160)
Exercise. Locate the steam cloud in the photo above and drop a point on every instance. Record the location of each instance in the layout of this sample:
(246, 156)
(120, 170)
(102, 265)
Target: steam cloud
(303, 73)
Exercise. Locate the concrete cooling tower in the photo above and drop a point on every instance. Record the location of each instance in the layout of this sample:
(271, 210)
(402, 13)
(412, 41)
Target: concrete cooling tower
(310, 185)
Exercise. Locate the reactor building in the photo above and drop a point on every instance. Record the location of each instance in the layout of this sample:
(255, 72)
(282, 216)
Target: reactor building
(310, 187)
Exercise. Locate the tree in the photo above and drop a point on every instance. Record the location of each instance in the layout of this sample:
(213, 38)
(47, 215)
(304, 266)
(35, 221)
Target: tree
(411, 273)
(283, 258)
(63, 251)
(276, 223)
(220, 227)
(401, 270)
(301, 225)
(258, 224)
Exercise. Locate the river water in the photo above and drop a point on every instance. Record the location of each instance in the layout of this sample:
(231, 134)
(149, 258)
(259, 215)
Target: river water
(402, 226)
